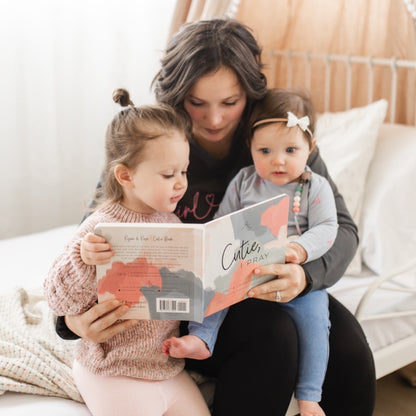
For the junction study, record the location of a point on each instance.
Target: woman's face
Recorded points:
(215, 104)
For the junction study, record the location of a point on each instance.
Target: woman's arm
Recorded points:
(328, 269)
(98, 324)
(101, 322)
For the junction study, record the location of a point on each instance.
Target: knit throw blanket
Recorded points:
(33, 359)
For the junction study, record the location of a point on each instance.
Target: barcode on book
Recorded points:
(179, 305)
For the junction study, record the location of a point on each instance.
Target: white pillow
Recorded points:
(347, 141)
(388, 225)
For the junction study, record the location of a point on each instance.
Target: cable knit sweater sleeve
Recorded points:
(70, 287)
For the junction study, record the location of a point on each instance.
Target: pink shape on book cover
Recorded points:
(237, 290)
(276, 216)
(124, 280)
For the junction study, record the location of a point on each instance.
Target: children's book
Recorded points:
(188, 271)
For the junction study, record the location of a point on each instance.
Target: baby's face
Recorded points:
(279, 152)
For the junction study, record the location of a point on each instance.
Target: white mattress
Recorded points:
(17, 404)
(26, 260)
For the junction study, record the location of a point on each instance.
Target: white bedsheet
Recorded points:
(25, 260)
(17, 404)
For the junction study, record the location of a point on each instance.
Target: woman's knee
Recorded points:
(254, 318)
(346, 327)
(350, 380)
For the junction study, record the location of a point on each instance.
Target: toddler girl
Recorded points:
(147, 154)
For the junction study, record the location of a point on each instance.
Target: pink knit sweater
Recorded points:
(70, 289)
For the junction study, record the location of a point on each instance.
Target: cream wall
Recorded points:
(60, 62)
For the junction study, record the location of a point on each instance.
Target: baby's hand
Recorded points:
(295, 253)
(95, 250)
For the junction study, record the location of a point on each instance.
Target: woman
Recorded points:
(213, 71)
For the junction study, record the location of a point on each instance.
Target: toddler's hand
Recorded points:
(95, 250)
(295, 253)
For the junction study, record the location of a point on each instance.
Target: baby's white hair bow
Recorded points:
(292, 121)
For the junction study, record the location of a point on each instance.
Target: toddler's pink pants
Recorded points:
(127, 396)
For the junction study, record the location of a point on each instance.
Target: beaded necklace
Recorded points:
(303, 124)
(298, 197)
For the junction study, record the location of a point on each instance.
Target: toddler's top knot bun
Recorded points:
(122, 97)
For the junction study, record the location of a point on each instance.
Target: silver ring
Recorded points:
(278, 296)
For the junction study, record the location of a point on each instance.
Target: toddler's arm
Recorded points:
(322, 220)
(95, 250)
(70, 287)
(295, 253)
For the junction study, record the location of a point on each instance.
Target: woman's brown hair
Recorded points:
(203, 47)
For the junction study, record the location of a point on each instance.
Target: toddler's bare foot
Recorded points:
(308, 408)
(188, 346)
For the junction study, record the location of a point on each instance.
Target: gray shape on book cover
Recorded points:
(247, 225)
(178, 284)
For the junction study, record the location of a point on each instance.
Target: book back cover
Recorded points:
(156, 270)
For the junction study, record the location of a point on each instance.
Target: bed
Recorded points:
(366, 132)
(370, 155)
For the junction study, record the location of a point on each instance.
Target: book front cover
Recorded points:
(238, 243)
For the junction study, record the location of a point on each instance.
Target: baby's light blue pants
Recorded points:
(311, 316)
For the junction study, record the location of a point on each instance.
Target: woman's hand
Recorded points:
(290, 282)
(100, 323)
(95, 250)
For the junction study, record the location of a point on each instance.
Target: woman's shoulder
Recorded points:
(317, 164)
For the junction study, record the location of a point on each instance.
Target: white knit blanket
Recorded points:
(33, 359)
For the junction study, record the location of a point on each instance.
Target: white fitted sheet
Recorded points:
(18, 404)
